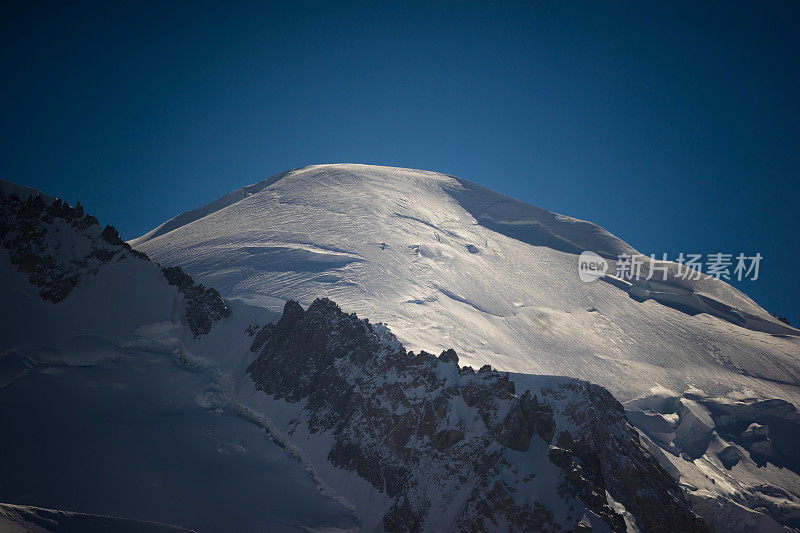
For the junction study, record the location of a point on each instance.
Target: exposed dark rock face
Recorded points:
(606, 448)
(782, 319)
(730, 456)
(262, 335)
(111, 236)
(204, 305)
(58, 246)
(30, 230)
(456, 449)
(526, 418)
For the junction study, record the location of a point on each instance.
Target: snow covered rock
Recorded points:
(204, 305)
(29, 231)
(452, 448)
(57, 247)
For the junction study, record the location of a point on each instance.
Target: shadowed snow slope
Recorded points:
(24, 519)
(449, 264)
(106, 391)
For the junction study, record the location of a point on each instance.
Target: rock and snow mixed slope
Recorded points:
(449, 264)
(105, 362)
(449, 448)
(130, 390)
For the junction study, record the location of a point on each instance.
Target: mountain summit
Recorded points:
(449, 264)
(307, 417)
(159, 399)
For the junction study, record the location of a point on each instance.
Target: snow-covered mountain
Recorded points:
(133, 389)
(130, 390)
(709, 377)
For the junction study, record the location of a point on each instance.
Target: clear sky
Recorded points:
(675, 126)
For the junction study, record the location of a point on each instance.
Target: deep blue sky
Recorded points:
(675, 126)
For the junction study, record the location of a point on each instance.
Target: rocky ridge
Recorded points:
(30, 229)
(60, 246)
(204, 305)
(455, 448)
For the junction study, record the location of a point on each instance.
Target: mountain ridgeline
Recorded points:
(308, 417)
(57, 245)
(452, 447)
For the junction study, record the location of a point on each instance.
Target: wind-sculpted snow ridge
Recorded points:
(455, 449)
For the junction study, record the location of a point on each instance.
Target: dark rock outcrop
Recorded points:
(607, 449)
(204, 305)
(58, 246)
(30, 229)
(440, 440)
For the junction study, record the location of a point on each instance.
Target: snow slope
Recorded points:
(103, 395)
(449, 264)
